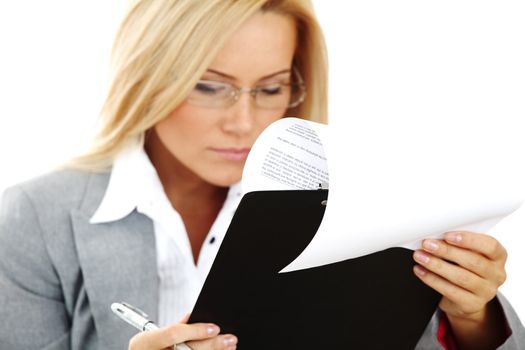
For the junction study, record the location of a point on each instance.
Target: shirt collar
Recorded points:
(132, 171)
(134, 181)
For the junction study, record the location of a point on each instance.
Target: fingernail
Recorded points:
(430, 245)
(420, 271)
(230, 340)
(212, 329)
(454, 237)
(421, 257)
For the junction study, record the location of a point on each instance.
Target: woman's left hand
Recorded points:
(467, 269)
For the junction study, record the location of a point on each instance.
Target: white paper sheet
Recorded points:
(288, 155)
(372, 209)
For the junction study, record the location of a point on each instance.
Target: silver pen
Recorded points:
(139, 319)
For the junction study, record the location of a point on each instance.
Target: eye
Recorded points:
(209, 88)
(273, 89)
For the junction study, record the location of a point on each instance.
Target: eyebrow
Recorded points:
(233, 78)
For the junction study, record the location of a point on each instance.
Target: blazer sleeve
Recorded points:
(515, 341)
(31, 301)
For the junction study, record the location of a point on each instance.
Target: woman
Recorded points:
(140, 217)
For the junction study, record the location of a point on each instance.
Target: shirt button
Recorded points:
(212, 240)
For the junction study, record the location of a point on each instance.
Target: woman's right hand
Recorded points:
(198, 336)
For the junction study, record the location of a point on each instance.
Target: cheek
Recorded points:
(267, 117)
(183, 127)
(181, 136)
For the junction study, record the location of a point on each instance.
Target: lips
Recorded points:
(235, 154)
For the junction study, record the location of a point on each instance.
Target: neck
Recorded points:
(197, 201)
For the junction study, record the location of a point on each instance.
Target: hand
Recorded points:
(198, 336)
(467, 269)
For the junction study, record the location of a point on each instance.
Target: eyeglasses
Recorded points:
(275, 95)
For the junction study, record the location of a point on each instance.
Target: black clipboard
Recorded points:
(371, 302)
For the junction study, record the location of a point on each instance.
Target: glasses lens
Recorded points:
(273, 96)
(211, 94)
(277, 96)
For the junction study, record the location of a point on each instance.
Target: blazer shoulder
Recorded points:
(61, 189)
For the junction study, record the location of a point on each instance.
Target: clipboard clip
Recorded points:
(323, 186)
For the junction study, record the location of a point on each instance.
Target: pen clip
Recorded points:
(134, 309)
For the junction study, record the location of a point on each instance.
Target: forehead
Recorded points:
(264, 44)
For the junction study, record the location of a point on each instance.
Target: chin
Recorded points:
(223, 180)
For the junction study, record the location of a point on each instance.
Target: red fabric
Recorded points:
(444, 334)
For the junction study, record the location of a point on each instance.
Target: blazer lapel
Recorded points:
(118, 263)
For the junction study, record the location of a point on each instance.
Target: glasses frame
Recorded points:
(253, 91)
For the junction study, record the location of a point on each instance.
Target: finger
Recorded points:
(457, 275)
(185, 319)
(174, 334)
(479, 242)
(221, 342)
(150, 340)
(470, 303)
(468, 259)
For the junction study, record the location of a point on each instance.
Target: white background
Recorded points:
(53, 72)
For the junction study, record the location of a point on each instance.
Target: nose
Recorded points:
(241, 115)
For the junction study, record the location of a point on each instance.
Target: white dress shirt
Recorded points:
(134, 184)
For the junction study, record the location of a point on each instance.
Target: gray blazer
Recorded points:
(59, 273)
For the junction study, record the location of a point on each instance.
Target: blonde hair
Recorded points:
(164, 46)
